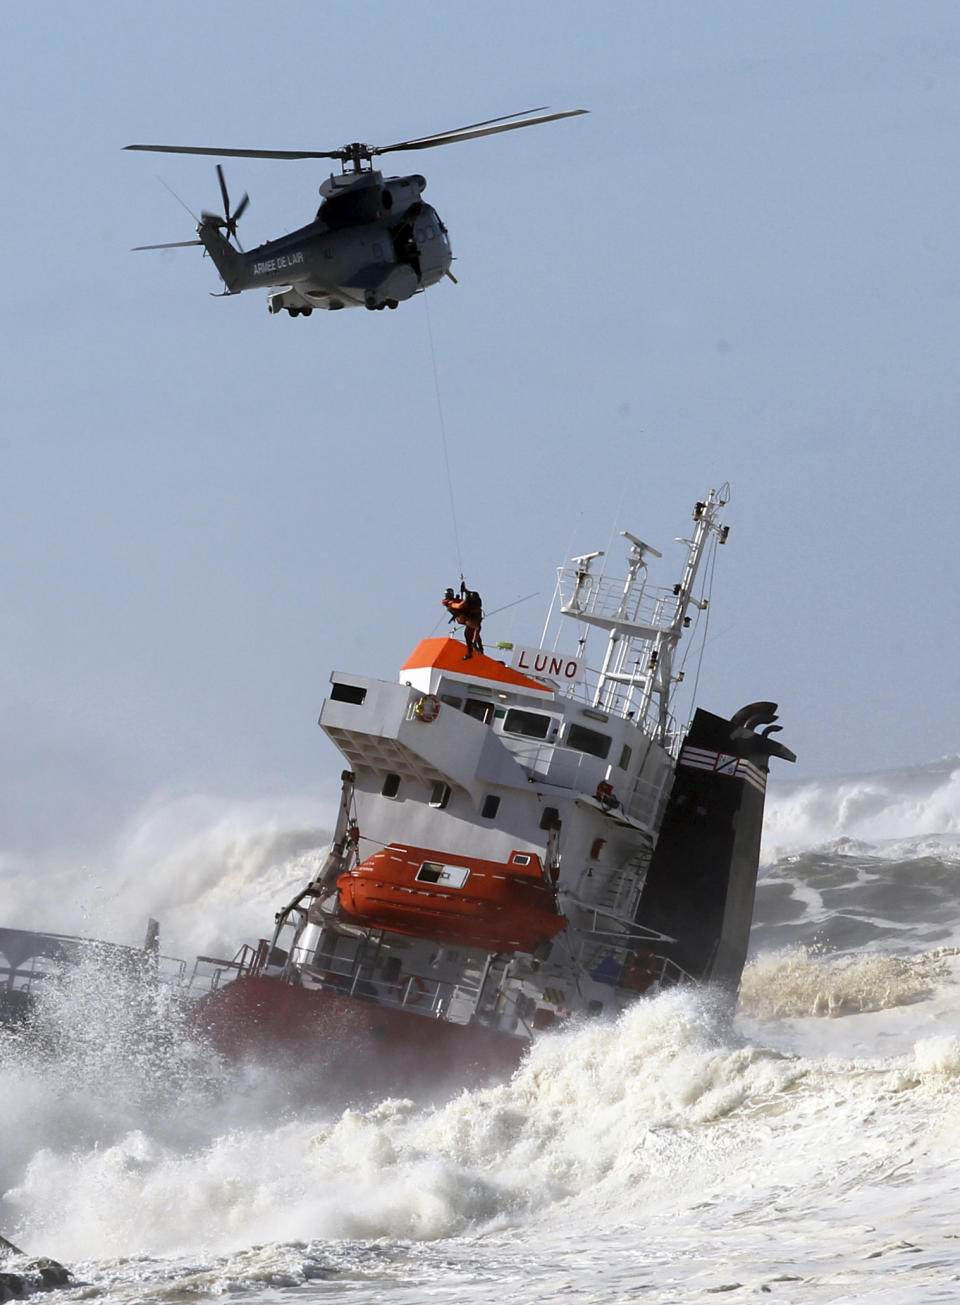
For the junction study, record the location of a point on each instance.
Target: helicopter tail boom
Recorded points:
(228, 262)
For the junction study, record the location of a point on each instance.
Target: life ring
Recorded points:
(427, 708)
(641, 971)
(414, 990)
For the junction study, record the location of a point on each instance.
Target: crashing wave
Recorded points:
(914, 803)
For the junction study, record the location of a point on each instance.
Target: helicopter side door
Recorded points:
(368, 269)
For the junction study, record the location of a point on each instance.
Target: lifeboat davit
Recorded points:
(462, 901)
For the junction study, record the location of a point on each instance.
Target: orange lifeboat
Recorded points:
(462, 901)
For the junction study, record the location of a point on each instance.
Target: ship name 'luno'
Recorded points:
(535, 661)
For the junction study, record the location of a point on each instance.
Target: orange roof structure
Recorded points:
(447, 655)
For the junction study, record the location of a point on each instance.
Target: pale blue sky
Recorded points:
(743, 265)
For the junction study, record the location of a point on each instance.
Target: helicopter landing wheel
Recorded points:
(294, 312)
(393, 303)
(306, 311)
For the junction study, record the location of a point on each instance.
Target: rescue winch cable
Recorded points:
(443, 440)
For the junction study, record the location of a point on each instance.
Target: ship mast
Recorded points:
(644, 624)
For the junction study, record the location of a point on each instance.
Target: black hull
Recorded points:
(702, 879)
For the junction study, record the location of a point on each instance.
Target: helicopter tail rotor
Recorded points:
(228, 222)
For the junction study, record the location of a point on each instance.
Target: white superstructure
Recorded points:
(499, 813)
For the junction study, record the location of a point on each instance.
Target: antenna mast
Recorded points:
(644, 624)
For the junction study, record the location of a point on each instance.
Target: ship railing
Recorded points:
(566, 767)
(620, 702)
(594, 933)
(601, 944)
(660, 968)
(22, 981)
(38, 968)
(673, 735)
(23, 977)
(620, 895)
(648, 800)
(209, 971)
(603, 596)
(425, 994)
(673, 973)
(172, 971)
(533, 754)
(570, 768)
(586, 691)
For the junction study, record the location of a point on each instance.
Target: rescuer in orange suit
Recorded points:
(467, 610)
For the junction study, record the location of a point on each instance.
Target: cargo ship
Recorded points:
(526, 837)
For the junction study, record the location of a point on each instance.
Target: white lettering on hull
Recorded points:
(279, 263)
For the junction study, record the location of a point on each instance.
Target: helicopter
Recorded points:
(373, 243)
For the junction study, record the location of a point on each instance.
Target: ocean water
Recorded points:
(805, 1150)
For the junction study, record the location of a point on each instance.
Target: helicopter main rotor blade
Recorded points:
(174, 244)
(488, 122)
(239, 154)
(241, 207)
(490, 127)
(449, 138)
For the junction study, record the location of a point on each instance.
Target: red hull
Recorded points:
(350, 1043)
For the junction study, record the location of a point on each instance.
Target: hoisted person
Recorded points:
(467, 610)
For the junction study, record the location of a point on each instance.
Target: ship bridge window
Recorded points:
(440, 795)
(625, 756)
(391, 785)
(528, 724)
(451, 700)
(347, 693)
(590, 741)
(482, 711)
